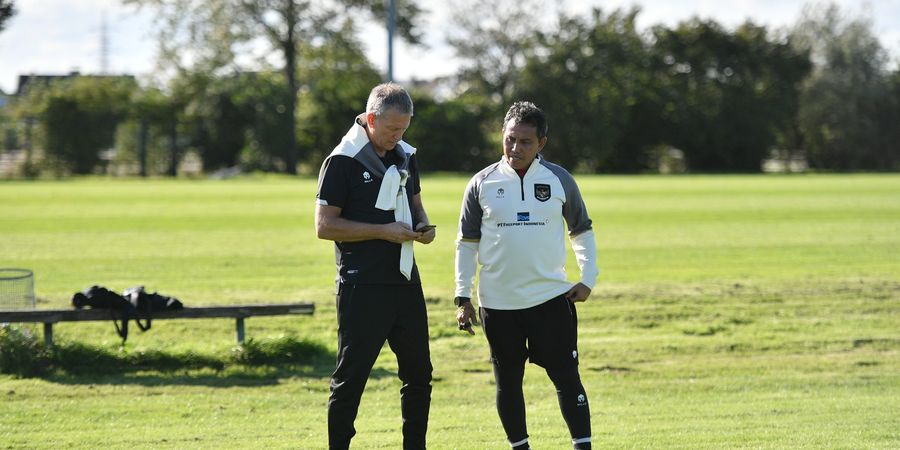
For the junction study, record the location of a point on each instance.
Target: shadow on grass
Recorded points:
(236, 377)
(255, 363)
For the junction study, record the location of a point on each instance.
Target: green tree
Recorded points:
(240, 118)
(80, 117)
(493, 39)
(338, 78)
(8, 139)
(450, 136)
(846, 106)
(216, 122)
(889, 122)
(148, 139)
(196, 112)
(263, 100)
(727, 94)
(217, 32)
(592, 77)
(7, 10)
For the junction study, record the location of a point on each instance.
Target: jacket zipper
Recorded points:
(522, 187)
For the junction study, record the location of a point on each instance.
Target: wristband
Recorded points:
(460, 301)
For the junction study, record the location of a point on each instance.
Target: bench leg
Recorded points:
(239, 327)
(48, 334)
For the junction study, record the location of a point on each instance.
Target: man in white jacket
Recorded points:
(514, 218)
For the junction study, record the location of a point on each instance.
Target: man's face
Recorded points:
(521, 144)
(387, 130)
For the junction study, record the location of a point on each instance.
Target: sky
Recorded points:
(61, 36)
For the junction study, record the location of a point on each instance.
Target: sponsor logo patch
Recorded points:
(542, 192)
(367, 178)
(523, 216)
(500, 193)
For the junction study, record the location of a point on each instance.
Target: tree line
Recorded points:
(619, 100)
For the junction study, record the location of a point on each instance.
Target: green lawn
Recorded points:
(731, 312)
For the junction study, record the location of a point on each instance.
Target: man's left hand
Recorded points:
(466, 317)
(578, 293)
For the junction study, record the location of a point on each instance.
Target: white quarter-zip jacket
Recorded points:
(514, 227)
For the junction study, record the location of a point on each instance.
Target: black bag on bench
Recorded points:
(134, 303)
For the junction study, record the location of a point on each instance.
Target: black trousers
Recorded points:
(369, 315)
(547, 335)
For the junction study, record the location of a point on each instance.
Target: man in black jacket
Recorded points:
(367, 203)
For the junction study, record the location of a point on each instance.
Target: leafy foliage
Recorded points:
(273, 85)
(722, 97)
(600, 67)
(82, 358)
(21, 353)
(216, 32)
(7, 10)
(450, 135)
(493, 39)
(338, 78)
(153, 114)
(264, 101)
(727, 93)
(80, 119)
(849, 114)
(217, 123)
(283, 350)
(407, 16)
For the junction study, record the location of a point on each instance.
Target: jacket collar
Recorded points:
(355, 144)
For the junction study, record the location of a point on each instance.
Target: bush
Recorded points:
(80, 119)
(77, 358)
(21, 353)
(284, 350)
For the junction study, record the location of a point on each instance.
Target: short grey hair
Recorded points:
(387, 96)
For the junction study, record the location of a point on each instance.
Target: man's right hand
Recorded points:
(398, 232)
(466, 317)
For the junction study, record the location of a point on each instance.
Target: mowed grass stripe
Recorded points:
(732, 312)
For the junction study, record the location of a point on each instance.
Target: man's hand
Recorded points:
(578, 293)
(425, 237)
(398, 232)
(466, 317)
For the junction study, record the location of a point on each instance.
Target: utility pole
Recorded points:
(104, 46)
(392, 8)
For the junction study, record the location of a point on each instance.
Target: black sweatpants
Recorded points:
(367, 316)
(547, 335)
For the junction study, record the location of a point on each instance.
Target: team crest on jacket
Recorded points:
(542, 192)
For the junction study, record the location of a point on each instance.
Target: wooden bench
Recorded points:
(240, 312)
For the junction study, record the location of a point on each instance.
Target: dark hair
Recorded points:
(527, 113)
(387, 96)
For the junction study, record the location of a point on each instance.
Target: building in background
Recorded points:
(33, 81)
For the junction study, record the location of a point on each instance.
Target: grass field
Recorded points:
(731, 312)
